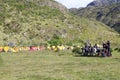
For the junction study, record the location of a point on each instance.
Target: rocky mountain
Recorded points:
(103, 2)
(34, 22)
(109, 14)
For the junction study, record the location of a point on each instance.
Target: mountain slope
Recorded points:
(103, 2)
(33, 22)
(109, 15)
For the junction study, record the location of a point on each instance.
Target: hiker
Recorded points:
(86, 50)
(104, 45)
(90, 50)
(108, 48)
(95, 49)
(103, 53)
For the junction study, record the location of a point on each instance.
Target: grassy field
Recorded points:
(48, 65)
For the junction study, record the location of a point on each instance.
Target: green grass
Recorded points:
(48, 65)
(1, 61)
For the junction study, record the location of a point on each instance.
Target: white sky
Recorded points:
(74, 3)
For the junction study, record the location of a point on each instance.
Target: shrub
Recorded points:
(77, 50)
(69, 43)
(55, 40)
(117, 49)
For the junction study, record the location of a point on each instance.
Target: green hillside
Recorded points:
(33, 22)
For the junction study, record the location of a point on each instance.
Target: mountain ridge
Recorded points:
(108, 14)
(103, 2)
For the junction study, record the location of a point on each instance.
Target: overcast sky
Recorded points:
(74, 3)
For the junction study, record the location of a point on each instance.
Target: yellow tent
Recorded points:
(6, 48)
(24, 48)
(15, 49)
(56, 49)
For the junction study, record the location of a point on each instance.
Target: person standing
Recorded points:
(108, 47)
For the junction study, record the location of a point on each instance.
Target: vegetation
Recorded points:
(48, 65)
(55, 41)
(117, 49)
(109, 14)
(102, 2)
(29, 22)
(1, 61)
(77, 50)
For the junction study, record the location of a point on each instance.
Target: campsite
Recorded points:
(47, 40)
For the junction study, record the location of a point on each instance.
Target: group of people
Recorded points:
(104, 50)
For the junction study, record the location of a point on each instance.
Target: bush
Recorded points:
(117, 49)
(77, 50)
(69, 43)
(56, 40)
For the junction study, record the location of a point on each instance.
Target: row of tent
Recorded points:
(37, 48)
(8, 49)
(17, 49)
(34, 48)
